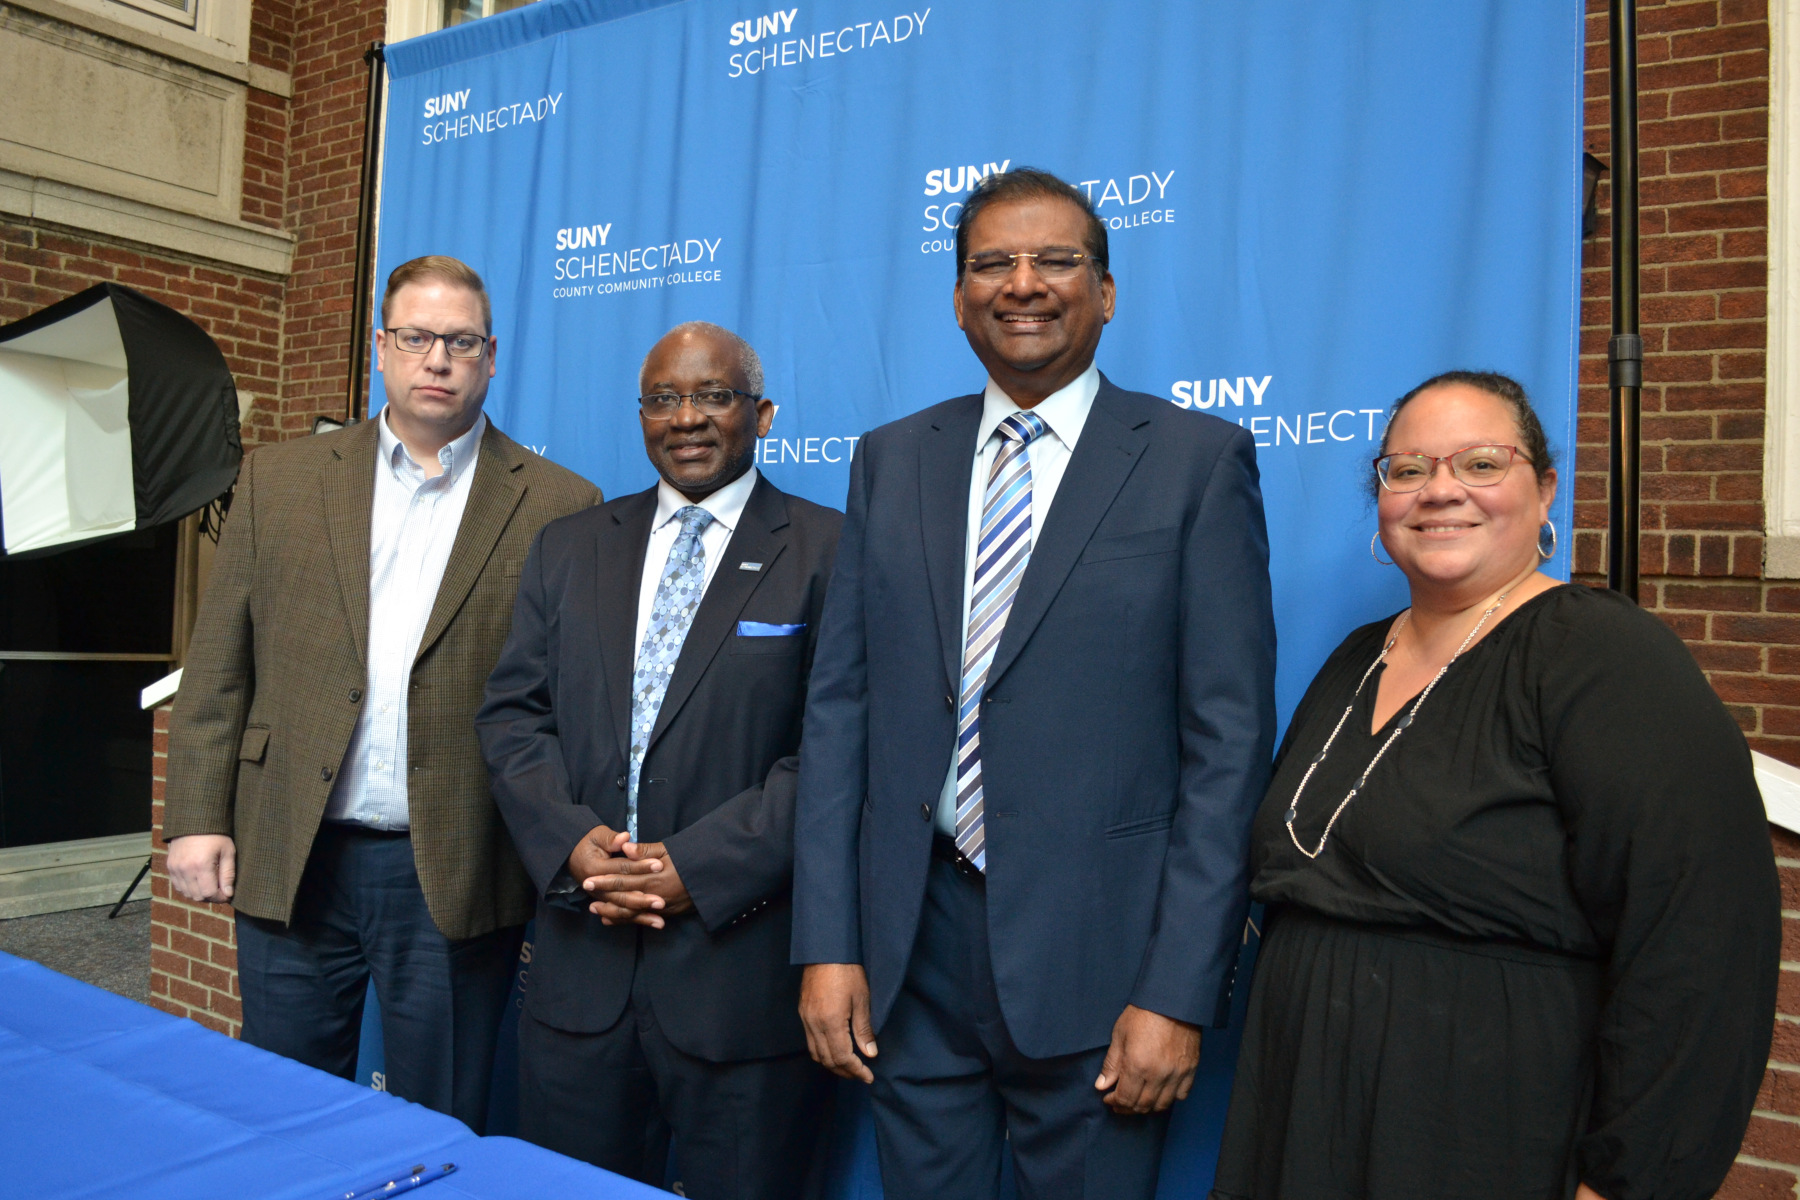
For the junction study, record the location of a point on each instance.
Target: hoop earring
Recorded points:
(1373, 538)
(1551, 552)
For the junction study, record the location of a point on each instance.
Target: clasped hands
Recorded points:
(1149, 1065)
(629, 883)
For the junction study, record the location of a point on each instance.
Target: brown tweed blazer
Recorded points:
(275, 675)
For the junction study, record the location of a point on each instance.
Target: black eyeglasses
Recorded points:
(708, 402)
(420, 341)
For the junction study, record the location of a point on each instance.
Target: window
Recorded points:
(182, 12)
(458, 11)
(1781, 430)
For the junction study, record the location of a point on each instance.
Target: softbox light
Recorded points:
(116, 413)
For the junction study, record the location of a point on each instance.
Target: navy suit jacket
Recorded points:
(717, 785)
(1125, 735)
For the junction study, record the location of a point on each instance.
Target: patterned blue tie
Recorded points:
(671, 615)
(1001, 552)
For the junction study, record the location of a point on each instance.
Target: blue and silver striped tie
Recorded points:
(1001, 553)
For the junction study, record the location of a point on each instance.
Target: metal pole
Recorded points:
(365, 236)
(1625, 352)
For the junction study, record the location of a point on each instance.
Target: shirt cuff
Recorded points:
(564, 891)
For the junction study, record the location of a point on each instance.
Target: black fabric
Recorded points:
(718, 780)
(183, 409)
(954, 1093)
(1541, 946)
(182, 403)
(359, 914)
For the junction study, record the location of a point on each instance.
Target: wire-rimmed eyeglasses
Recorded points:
(708, 402)
(1476, 466)
(1053, 265)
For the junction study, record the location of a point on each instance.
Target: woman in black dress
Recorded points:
(1523, 923)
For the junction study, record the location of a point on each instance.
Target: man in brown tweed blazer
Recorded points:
(324, 772)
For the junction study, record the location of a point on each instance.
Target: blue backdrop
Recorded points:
(1312, 207)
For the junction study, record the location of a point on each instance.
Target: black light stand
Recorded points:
(365, 235)
(1625, 352)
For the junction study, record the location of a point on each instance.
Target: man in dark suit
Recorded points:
(642, 727)
(1041, 717)
(324, 774)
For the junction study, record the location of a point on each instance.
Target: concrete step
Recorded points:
(58, 876)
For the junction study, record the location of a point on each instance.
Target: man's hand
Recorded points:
(834, 1007)
(591, 853)
(1151, 1062)
(203, 866)
(642, 888)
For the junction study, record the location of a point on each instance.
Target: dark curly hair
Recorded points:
(1501, 387)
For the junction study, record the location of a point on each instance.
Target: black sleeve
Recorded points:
(1671, 862)
(522, 741)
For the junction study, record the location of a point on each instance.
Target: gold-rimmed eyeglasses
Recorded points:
(1476, 466)
(1055, 265)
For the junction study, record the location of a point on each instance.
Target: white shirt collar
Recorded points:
(726, 505)
(454, 458)
(1065, 411)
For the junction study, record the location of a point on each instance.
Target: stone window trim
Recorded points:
(153, 154)
(1781, 434)
(219, 42)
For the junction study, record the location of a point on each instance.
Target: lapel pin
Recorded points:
(749, 566)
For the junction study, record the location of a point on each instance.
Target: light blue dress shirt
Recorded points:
(412, 527)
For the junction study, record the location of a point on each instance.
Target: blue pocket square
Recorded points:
(763, 629)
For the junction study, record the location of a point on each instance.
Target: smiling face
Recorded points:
(1033, 337)
(695, 453)
(1460, 541)
(433, 398)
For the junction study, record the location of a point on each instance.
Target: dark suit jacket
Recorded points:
(1125, 736)
(717, 784)
(275, 677)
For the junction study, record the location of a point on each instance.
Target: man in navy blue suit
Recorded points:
(1040, 720)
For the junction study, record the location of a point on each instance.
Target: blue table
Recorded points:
(103, 1097)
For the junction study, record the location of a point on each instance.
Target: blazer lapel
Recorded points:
(494, 494)
(758, 538)
(348, 481)
(946, 459)
(619, 570)
(1109, 449)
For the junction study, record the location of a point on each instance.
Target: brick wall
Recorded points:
(324, 180)
(1704, 121)
(193, 953)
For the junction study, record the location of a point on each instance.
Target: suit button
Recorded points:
(925, 811)
(619, 782)
(355, 695)
(949, 703)
(325, 774)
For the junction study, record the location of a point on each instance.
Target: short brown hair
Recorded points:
(440, 268)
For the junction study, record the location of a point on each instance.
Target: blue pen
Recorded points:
(419, 1176)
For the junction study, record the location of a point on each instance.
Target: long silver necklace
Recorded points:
(1294, 804)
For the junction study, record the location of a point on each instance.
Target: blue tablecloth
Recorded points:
(103, 1097)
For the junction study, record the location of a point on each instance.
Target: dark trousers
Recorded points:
(952, 1092)
(743, 1130)
(359, 914)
